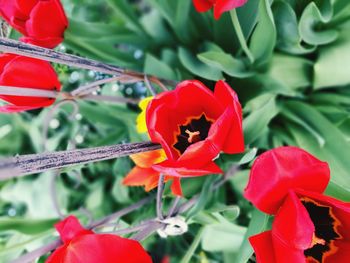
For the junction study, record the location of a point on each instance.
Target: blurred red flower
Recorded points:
(193, 125)
(309, 226)
(42, 22)
(220, 6)
(144, 175)
(19, 71)
(84, 246)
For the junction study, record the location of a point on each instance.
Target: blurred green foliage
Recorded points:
(294, 92)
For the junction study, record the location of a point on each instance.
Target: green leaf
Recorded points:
(226, 237)
(257, 120)
(331, 145)
(332, 65)
(283, 65)
(122, 9)
(195, 66)
(311, 18)
(27, 226)
(288, 36)
(154, 66)
(263, 38)
(337, 191)
(226, 63)
(191, 250)
(258, 223)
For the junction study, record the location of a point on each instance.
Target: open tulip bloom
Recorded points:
(193, 125)
(19, 71)
(220, 6)
(42, 22)
(84, 246)
(308, 226)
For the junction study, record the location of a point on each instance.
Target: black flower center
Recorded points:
(194, 130)
(325, 230)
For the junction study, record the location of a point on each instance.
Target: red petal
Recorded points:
(10, 12)
(342, 254)
(277, 171)
(285, 253)
(170, 109)
(48, 42)
(47, 19)
(26, 6)
(22, 71)
(340, 209)
(222, 6)
(176, 187)
(263, 247)
(292, 224)
(70, 228)
(146, 177)
(147, 159)
(172, 168)
(234, 141)
(104, 248)
(14, 108)
(203, 5)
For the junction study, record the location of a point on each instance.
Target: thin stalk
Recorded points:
(32, 256)
(240, 35)
(19, 48)
(160, 192)
(31, 92)
(122, 212)
(36, 163)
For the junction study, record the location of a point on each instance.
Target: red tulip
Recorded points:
(83, 246)
(277, 171)
(194, 125)
(19, 71)
(42, 22)
(144, 175)
(220, 6)
(309, 227)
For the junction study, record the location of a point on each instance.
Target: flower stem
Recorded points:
(159, 196)
(19, 48)
(240, 35)
(36, 163)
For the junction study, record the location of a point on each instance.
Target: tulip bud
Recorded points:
(41, 22)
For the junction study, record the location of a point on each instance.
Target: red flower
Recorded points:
(144, 175)
(83, 246)
(42, 22)
(220, 6)
(194, 125)
(19, 71)
(308, 226)
(278, 170)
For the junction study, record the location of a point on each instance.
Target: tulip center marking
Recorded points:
(326, 224)
(195, 129)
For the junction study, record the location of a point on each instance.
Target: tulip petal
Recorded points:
(234, 141)
(172, 169)
(176, 187)
(146, 177)
(263, 247)
(277, 171)
(14, 108)
(292, 224)
(147, 159)
(222, 6)
(70, 228)
(202, 5)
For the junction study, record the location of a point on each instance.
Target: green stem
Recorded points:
(240, 35)
(193, 247)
